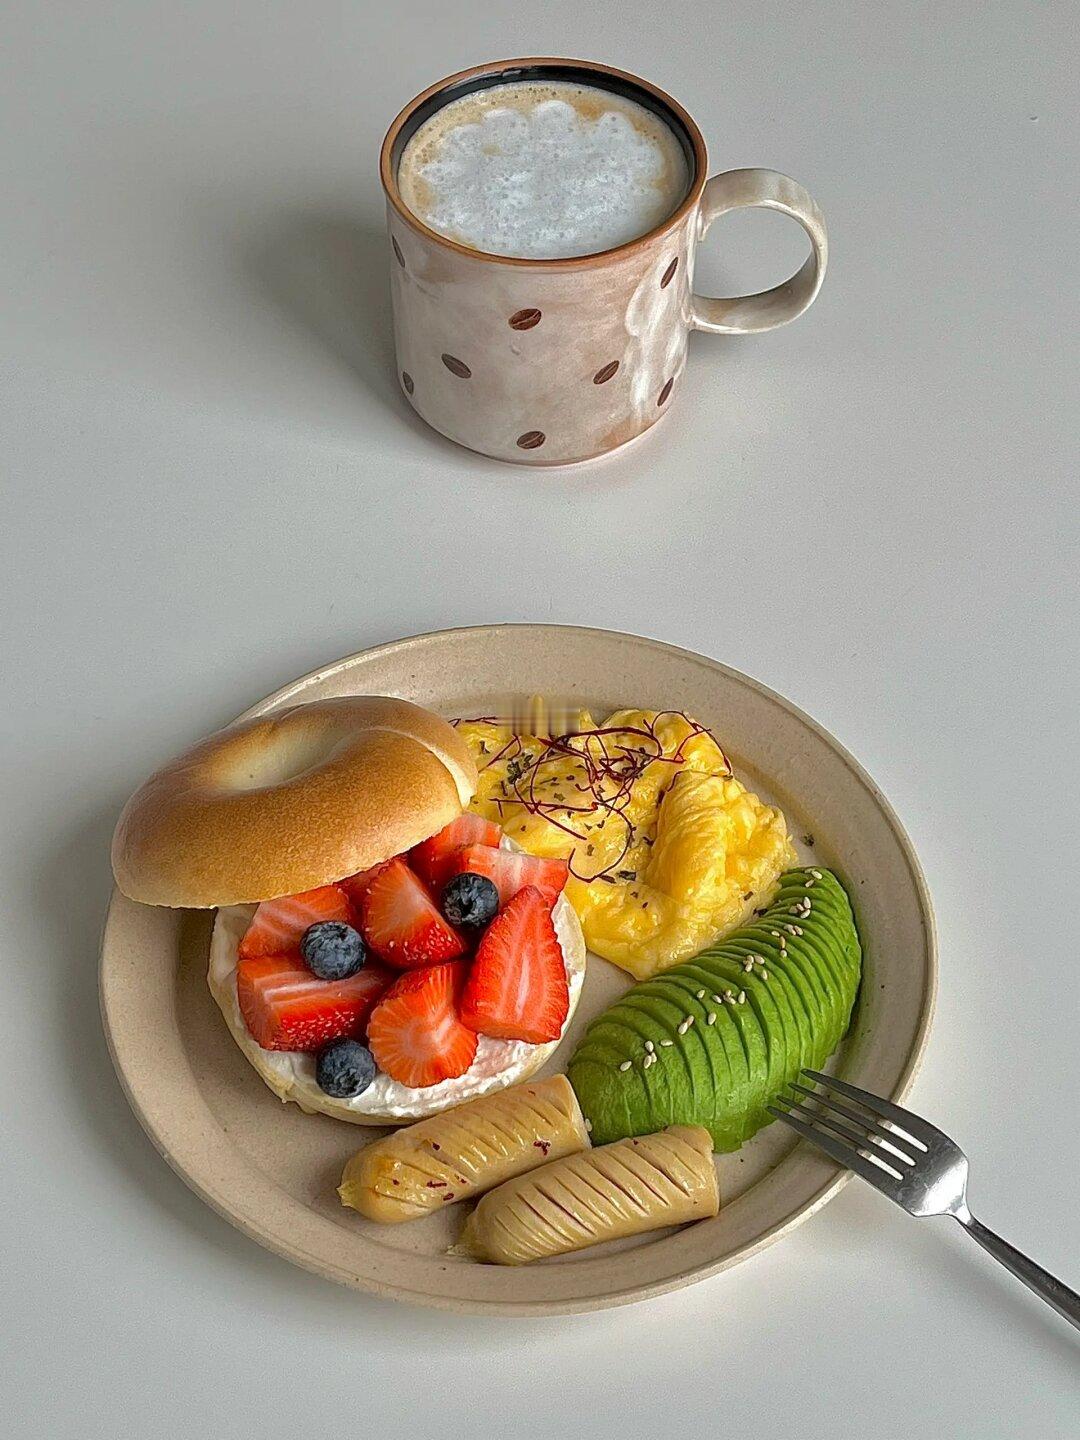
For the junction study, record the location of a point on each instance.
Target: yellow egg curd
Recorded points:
(667, 850)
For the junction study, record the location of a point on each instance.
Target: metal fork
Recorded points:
(912, 1163)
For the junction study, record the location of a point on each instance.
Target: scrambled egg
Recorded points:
(668, 851)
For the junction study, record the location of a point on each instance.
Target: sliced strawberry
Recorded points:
(512, 871)
(278, 925)
(517, 986)
(401, 923)
(414, 1031)
(433, 860)
(356, 886)
(286, 1008)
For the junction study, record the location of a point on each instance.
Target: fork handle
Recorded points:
(1065, 1301)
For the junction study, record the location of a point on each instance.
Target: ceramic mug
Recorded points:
(551, 362)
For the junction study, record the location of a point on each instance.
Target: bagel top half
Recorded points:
(291, 800)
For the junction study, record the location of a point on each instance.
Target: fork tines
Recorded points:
(864, 1145)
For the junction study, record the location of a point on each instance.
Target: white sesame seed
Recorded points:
(748, 965)
(775, 934)
(719, 999)
(764, 973)
(684, 1025)
(700, 994)
(742, 997)
(588, 1124)
(649, 1046)
(729, 994)
(626, 1065)
(817, 874)
(649, 1060)
(710, 1018)
(783, 942)
(667, 1042)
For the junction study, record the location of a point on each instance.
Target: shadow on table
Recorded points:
(327, 274)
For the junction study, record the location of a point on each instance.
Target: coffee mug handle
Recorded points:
(750, 314)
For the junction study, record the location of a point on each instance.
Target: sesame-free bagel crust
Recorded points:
(288, 801)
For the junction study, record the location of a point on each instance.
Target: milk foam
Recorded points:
(543, 170)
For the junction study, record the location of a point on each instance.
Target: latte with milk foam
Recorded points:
(543, 170)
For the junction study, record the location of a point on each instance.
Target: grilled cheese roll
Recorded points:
(605, 1193)
(462, 1152)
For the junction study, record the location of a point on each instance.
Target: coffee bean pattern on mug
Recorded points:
(544, 217)
(525, 319)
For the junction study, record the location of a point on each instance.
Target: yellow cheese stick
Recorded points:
(608, 1192)
(464, 1151)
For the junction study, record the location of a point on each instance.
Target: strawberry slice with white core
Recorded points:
(401, 922)
(433, 860)
(286, 1007)
(517, 987)
(414, 1031)
(278, 926)
(511, 871)
(356, 886)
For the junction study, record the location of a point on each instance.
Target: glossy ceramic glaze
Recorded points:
(550, 362)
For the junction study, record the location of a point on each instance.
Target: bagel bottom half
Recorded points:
(291, 1074)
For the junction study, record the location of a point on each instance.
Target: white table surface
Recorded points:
(212, 484)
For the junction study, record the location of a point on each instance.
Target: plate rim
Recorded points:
(631, 1292)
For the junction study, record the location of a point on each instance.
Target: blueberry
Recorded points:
(470, 900)
(344, 1068)
(333, 951)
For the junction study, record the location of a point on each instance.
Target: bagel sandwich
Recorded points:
(362, 969)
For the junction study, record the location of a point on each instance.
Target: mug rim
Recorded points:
(388, 176)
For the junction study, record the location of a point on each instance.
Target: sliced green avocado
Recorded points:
(738, 1030)
(691, 1049)
(686, 1076)
(644, 1101)
(761, 1014)
(719, 1062)
(784, 1025)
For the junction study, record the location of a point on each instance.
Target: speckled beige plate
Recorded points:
(272, 1170)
